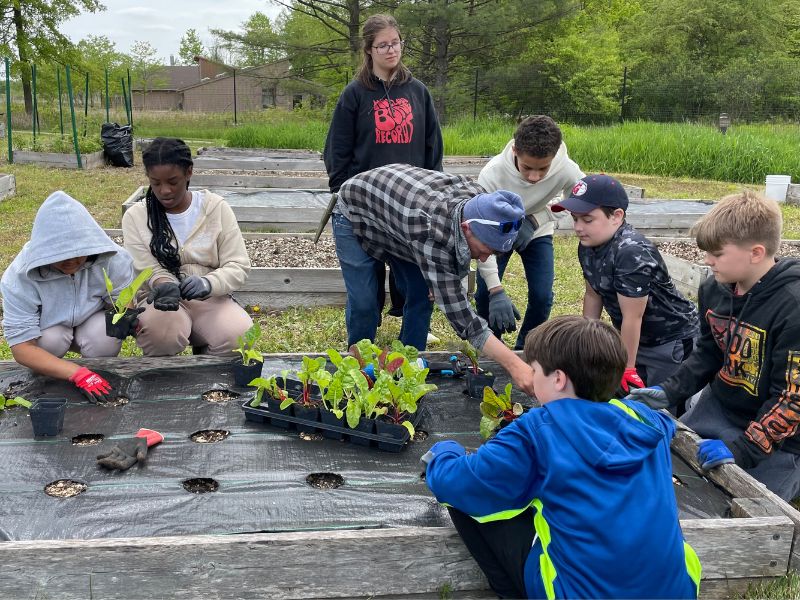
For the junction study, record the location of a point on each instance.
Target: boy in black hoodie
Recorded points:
(749, 351)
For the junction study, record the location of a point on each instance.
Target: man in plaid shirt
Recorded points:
(427, 225)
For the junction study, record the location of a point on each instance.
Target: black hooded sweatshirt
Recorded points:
(394, 123)
(749, 350)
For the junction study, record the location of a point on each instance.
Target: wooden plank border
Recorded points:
(91, 160)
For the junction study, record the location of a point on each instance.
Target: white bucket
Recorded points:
(776, 187)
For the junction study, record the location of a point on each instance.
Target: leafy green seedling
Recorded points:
(126, 294)
(497, 408)
(16, 401)
(247, 343)
(472, 354)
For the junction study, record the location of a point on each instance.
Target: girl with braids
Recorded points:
(193, 244)
(383, 116)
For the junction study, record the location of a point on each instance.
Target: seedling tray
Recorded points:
(262, 414)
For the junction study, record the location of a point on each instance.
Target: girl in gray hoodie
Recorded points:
(54, 294)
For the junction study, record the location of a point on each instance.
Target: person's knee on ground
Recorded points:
(56, 340)
(91, 339)
(163, 333)
(217, 323)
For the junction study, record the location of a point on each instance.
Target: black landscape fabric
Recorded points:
(261, 470)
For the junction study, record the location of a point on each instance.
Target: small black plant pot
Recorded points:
(394, 435)
(274, 406)
(118, 329)
(364, 426)
(244, 374)
(309, 414)
(476, 382)
(328, 418)
(47, 416)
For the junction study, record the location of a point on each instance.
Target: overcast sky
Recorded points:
(163, 22)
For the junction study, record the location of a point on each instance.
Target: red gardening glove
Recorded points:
(631, 379)
(94, 387)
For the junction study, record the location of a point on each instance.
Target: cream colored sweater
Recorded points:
(500, 173)
(214, 248)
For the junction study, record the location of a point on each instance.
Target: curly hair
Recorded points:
(538, 136)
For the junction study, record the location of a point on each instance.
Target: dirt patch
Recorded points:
(65, 488)
(689, 251)
(200, 485)
(219, 396)
(325, 481)
(118, 401)
(209, 436)
(87, 439)
(311, 437)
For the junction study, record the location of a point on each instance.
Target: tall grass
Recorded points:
(746, 154)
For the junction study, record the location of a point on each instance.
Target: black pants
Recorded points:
(500, 548)
(396, 296)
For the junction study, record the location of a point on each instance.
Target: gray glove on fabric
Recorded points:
(654, 397)
(503, 314)
(166, 296)
(195, 287)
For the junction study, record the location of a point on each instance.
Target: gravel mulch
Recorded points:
(689, 251)
(292, 252)
(288, 251)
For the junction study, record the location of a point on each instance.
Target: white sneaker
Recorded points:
(432, 339)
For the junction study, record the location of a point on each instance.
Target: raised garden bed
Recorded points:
(257, 485)
(290, 271)
(90, 160)
(685, 264)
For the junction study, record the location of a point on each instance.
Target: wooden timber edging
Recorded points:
(8, 186)
(91, 160)
(755, 545)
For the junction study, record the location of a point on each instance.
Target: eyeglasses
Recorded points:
(384, 48)
(506, 227)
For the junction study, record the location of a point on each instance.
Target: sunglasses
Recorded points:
(506, 227)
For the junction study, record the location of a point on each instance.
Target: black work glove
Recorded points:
(165, 296)
(195, 287)
(124, 454)
(502, 313)
(128, 324)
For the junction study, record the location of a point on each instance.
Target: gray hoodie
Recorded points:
(36, 296)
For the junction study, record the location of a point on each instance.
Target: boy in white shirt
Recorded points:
(534, 165)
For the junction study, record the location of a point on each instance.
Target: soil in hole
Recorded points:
(65, 488)
(200, 485)
(676, 480)
(118, 401)
(219, 396)
(88, 439)
(420, 435)
(325, 481)
(209, 436)
(311, 437)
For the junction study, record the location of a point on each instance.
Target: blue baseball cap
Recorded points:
(495, 218)
(594, 191)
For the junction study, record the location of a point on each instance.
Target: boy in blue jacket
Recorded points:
(573, 499)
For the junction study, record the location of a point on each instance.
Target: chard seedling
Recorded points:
(247, 346)
(126, 294)
(472, 354)
(16, 401)
(497, 408)
(306, 373)
(269, 385)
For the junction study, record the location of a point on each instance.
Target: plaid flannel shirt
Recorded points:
(415, 215)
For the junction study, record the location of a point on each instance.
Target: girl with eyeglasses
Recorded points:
(384, 116)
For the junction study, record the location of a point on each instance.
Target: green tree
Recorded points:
(191, 46)
(32, 27)
(255, 44)
(145, 68)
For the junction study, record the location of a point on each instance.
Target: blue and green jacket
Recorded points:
(599, 477)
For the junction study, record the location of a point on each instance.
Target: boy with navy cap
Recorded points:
(625, 275)
(428, 226)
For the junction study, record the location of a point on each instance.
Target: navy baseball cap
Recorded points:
(594, 191)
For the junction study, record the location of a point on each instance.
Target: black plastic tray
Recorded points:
(262, 414)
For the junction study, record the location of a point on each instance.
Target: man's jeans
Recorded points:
(362, 312)
(537, 260)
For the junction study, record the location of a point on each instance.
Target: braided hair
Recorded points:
(164, 151)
